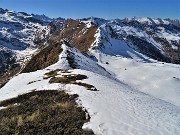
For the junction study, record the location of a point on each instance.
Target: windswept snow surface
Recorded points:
(119, 107)
(161, 80)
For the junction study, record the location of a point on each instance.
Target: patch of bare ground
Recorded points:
(87, 86)
(47, 112)
(69, 79)
(53, 73)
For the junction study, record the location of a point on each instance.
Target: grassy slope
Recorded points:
(43, 112)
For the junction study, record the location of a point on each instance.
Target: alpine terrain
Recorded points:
(89, 76)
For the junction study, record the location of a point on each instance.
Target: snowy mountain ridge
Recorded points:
(118, 107)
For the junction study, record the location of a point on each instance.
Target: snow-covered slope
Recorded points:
(120, 106)
(161, 80)
(81, 61)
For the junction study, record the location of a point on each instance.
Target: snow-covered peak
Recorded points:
(42, 17)
(80, 61)
(94, 20)
(148, 21)
(18, 29)
(143, 20)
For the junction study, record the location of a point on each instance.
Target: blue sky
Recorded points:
(99, 8)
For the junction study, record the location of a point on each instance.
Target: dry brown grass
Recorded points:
(67, 79)
(19, 120)
(52, 73)
(34, 116)
(48, 112)
(75, 35)
(71, 79)
(65, 105)
(88, 86)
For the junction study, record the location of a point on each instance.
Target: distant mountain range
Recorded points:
(22, 35)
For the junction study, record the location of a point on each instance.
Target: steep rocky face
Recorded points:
(147, 48)
(168, 37)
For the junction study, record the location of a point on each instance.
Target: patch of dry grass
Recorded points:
(71, 79)
(33, 81)
(88, 86)
(47, 112)
(54, 73)
(67, 79)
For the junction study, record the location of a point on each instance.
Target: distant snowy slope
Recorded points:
(19, 30)
(43, 18)
(156, 38)
(20, 34)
